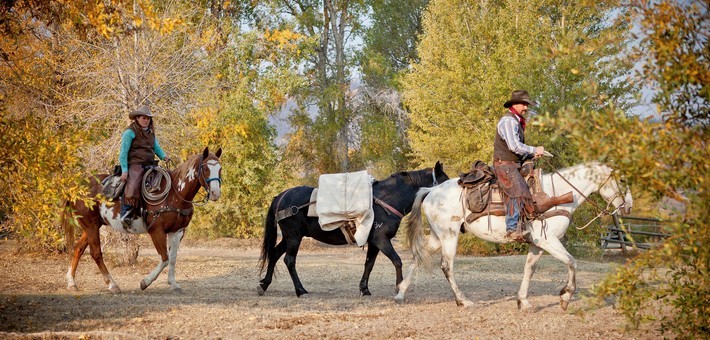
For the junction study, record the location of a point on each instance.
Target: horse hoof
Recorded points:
(73, 288)
(176, 290)
(564, 304)
(365, 293)
(260, 290)
(143, 285)
(115, 290)
(399, 299)
(524, 305)
(465, 303)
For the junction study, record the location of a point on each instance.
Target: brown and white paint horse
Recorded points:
(164, 222)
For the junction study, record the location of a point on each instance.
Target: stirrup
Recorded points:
(516, 235)
(127, 218)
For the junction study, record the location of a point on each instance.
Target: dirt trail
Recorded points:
(219, 299)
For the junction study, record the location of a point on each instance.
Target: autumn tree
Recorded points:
(65, 111)
(474, 53)
(322, 129)
(257, 68)
(41, 131)
(390, 44)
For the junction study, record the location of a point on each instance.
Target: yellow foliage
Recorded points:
(284, 39)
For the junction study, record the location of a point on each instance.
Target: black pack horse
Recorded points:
(393, 198)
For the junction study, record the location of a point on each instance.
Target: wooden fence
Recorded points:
(634, 231)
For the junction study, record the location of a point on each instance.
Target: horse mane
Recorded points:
(598, 170)
(181, 171)
(414, 176)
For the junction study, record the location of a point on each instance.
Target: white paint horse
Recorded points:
(442, 208)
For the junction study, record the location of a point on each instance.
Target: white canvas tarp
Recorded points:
(346, 197)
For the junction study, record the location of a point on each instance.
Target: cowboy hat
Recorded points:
(144, 110)
(517, 97)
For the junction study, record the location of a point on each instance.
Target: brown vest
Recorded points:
(501, 150)
(141, 151)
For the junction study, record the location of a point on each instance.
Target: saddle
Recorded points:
(112, 186)
(481, 195)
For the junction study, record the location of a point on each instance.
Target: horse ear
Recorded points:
(219, 153)
(206, 152)
(438, 167)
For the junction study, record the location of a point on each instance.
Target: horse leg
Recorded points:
(157, 235)
(534, 254)
(391, 254)
(94, 240)
(372, 252)
(292, 246)
(174, 243)
(448, 251)
(433, 244)
(553, 246)
(274, 257)
(78, 252)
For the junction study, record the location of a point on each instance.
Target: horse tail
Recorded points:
(270, 231)
(67, 226)
(415, 231)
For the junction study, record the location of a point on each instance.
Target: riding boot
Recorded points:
(126, 214)
(519, 234)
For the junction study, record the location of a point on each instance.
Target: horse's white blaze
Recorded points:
(181, 185)
(215, 187)
(444, 211)
(113, 219)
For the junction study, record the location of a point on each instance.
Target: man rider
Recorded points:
(509, 153)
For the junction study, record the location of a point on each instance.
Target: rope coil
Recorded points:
(151, 197)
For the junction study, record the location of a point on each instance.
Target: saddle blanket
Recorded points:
(346, 197)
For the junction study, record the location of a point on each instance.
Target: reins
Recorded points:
(602, 211)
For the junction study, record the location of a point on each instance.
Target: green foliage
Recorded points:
(472, 245)
(391, 41)
(473, 54)
(665, 155)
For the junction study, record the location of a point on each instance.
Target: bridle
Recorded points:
(200, 175)
(602, 211)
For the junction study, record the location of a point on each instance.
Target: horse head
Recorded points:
(438, 175)
(616, 192)
(210, 173)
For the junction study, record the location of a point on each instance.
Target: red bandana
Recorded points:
(522, 119)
